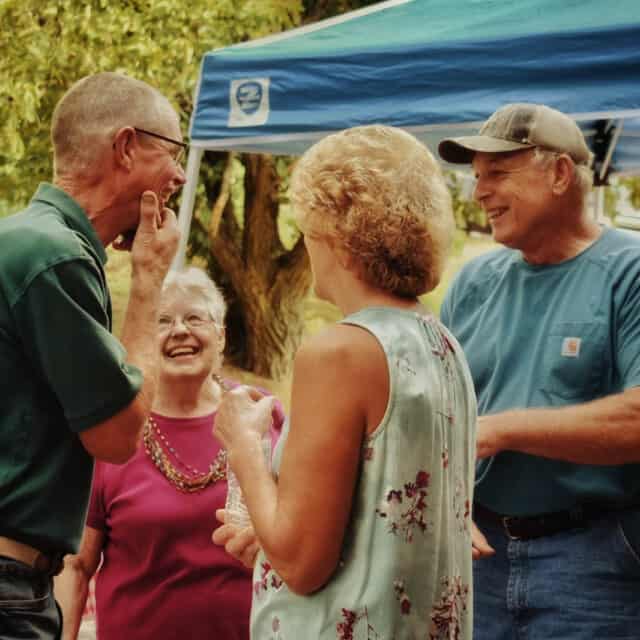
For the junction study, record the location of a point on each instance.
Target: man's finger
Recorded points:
(149, 210)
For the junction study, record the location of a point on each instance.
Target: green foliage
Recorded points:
(46, 45)
(633, 188)
(7, 207)
(468, 214)
(611, 201)
(621, 194)
(319, 9)
(287, 227)
(237, 190)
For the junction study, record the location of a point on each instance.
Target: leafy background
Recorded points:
(46, 45)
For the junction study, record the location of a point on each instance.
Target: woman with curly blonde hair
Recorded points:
(365, 532)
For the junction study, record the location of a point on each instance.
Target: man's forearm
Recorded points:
(604, 431)
(139, 335)
(116, 439)
(153, 249)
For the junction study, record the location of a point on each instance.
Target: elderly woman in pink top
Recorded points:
(150, 520)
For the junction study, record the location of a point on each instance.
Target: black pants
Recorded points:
(28, 610)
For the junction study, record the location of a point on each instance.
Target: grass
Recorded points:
(317, 312)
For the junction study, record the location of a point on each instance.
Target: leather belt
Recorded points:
(50, 564)
(545, 524)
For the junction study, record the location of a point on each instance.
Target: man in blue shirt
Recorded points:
(550, 324)
(70, 391)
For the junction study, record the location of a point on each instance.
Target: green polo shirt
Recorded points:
(61, 370)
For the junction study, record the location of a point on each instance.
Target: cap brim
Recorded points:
(461, 150)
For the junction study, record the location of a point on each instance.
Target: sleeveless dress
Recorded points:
(405, 569)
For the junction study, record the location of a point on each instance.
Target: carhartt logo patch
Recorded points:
(571, 347)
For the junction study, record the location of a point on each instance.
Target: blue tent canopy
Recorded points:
(436, 68)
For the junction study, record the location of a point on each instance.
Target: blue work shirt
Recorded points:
(550, 336)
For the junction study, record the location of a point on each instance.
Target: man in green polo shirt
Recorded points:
(70, 391)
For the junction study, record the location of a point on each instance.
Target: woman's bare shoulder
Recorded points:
(341, 355)
(343, 342)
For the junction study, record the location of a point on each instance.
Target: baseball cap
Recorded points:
(520, 126)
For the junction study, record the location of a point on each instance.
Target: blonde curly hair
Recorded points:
(379, 195)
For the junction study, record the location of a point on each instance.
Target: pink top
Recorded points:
(162, 576)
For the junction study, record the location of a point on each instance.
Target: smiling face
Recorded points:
(515, 191)
(162, 171)
(154, 166)
(189, 341)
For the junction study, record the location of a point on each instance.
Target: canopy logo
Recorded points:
(249, 97)
(248, 102)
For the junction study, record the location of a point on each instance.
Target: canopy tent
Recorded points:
(436, 68)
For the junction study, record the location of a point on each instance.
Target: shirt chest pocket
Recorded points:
(576, 359)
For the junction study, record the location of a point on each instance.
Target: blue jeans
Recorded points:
(582, 584)
(28, 610)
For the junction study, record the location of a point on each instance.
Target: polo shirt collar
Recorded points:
(74, 215)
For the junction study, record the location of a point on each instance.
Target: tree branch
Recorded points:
(293, 275)
(223, 198)
(228, 257)
(260, 239)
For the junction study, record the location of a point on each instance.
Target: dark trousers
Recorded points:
(28, 610)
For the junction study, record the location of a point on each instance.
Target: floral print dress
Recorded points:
(405, 570)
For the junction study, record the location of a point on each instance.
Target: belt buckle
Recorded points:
(506, 524)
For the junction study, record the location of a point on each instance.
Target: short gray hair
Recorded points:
(583, 175)
(97, 106)
(195, 281)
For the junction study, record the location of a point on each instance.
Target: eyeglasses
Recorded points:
(177, 157)
(191, 321)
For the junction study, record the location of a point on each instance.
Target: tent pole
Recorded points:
(612, 145)
(186, 205)
(598, 200)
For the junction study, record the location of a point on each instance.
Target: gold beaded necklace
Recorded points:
(190, 481)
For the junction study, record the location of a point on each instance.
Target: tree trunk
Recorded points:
(266, 283)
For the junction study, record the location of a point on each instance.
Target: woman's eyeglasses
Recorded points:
(191, 321)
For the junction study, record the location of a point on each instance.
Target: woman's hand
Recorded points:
(242, 414)
(242, 544)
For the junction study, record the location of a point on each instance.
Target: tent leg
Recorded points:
(600, 217)
(186, 205)
(595, 205)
